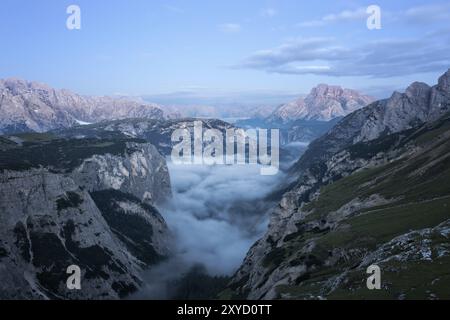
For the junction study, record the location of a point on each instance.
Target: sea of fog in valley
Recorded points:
(216, 214)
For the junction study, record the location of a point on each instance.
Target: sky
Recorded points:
(203, 49)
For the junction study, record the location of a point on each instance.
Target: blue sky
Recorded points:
(203, 48)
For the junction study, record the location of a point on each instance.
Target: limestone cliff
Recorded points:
(79, 202)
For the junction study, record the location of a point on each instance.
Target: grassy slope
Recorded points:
(418, 186)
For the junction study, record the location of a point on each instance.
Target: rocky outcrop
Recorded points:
(47, 224)
(142, 173)
(95, 211)
(323, 103)
(31, 106)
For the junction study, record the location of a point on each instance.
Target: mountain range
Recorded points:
(372, 190)
(33, 106)
(36, 107)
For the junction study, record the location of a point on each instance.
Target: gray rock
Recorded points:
(47, 224)
(32, 106)
(142, 173)
(98, 215)
(323, 103)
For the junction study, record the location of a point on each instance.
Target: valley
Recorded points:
(108, 197)
(208, 156)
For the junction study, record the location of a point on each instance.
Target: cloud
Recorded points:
(383, 58)
(302, 49)
(428, 13)
(343, 16)
(268, 12)
(173, 8)
(230, 27)
(217, 213)
(431, 13)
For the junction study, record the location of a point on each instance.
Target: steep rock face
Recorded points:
(138, 225)
(129, 165)
(47, 224)
(142, 172)
(353, 193)
(32, 106)
(94, 211)
(323, 103)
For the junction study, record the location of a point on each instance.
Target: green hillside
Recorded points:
(406, 234)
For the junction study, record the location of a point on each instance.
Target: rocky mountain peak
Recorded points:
(323, 103)
(419, 93)
(34, 106)
(13, 85)
(417, 89)
(444, 81)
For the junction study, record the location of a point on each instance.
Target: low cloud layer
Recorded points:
(215, 215)
(210, 213)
